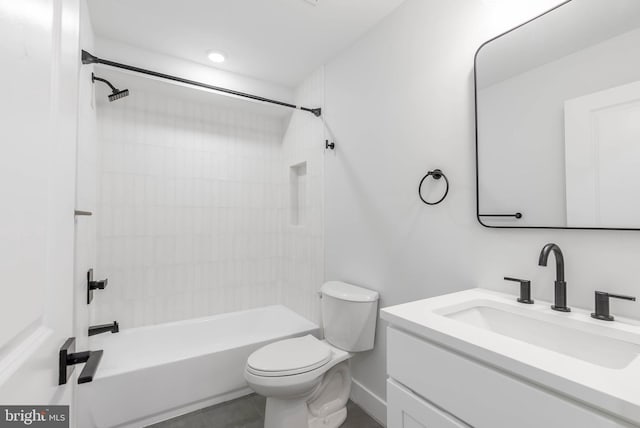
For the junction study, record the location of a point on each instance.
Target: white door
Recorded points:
(38, 109)
(602, 149)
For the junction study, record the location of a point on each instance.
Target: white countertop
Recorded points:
(613, 390)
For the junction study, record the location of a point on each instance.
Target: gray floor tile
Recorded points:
(240, 413)
(258, 403)
(248, 412)
(357, 418)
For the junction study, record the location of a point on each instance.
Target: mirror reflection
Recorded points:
(558, 119)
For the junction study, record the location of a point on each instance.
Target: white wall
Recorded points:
(304, 244)
(400, 102)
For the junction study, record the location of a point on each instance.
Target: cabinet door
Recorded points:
(407, 410)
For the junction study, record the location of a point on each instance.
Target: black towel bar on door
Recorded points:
(437, 175)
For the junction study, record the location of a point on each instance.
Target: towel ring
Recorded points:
(436, 174)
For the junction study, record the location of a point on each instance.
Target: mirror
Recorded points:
(558, 120)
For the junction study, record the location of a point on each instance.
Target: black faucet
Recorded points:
(104, 328)
(560, 284)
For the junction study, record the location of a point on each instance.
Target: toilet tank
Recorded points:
(349, 315)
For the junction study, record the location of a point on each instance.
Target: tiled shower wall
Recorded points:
(304, 243)
(194, 212)
(191, 209)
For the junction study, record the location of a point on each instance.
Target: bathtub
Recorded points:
(149, 374)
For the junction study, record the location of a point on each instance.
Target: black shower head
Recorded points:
(116, 93)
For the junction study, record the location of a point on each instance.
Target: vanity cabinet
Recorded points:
(430, 386)
(405, 409)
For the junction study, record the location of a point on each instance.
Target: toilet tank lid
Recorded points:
(343, 291)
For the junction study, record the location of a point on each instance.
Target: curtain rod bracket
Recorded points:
(88, 58)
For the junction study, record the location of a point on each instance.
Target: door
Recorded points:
(602, 150)
(38, 108)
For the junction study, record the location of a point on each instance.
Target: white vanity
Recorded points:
(480, 359)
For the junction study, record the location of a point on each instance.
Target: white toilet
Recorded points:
(307, 381)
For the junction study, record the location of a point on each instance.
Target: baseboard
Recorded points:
(375, 406)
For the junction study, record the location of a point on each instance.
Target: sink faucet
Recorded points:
(560, 284)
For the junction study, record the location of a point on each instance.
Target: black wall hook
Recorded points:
(437, 174)
(329, 145)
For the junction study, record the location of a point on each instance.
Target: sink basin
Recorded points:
(587, 346)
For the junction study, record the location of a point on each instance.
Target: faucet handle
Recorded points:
(620, 296)
(602, 305)
(525, 289)
(94, 285)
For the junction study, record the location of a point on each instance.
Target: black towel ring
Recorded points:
(436, 174)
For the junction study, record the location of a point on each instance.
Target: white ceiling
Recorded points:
(566, 30)
(280, 41)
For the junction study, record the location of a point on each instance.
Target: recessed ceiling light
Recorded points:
(216, 56)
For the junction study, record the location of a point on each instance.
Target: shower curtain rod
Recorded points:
(87, 58)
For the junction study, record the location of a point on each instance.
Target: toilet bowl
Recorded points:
(307, 381)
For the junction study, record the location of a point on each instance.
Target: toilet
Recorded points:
(307, 381)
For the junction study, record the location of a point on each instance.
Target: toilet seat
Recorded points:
(289, 357)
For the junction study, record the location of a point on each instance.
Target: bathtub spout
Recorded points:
(104, 328)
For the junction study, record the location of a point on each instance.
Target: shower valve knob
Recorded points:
(94, 285)
(98, 285)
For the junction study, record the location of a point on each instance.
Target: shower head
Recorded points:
(119, 94)
(116, 93)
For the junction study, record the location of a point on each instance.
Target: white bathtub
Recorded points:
(149, 374)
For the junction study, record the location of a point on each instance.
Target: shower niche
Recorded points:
(298, 194)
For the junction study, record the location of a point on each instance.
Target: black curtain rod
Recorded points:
(87, 58)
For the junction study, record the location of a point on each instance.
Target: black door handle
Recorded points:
(69, 358)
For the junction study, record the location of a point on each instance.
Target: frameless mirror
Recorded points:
(558, 120)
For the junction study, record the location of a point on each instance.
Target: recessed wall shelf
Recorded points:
(298, 193)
